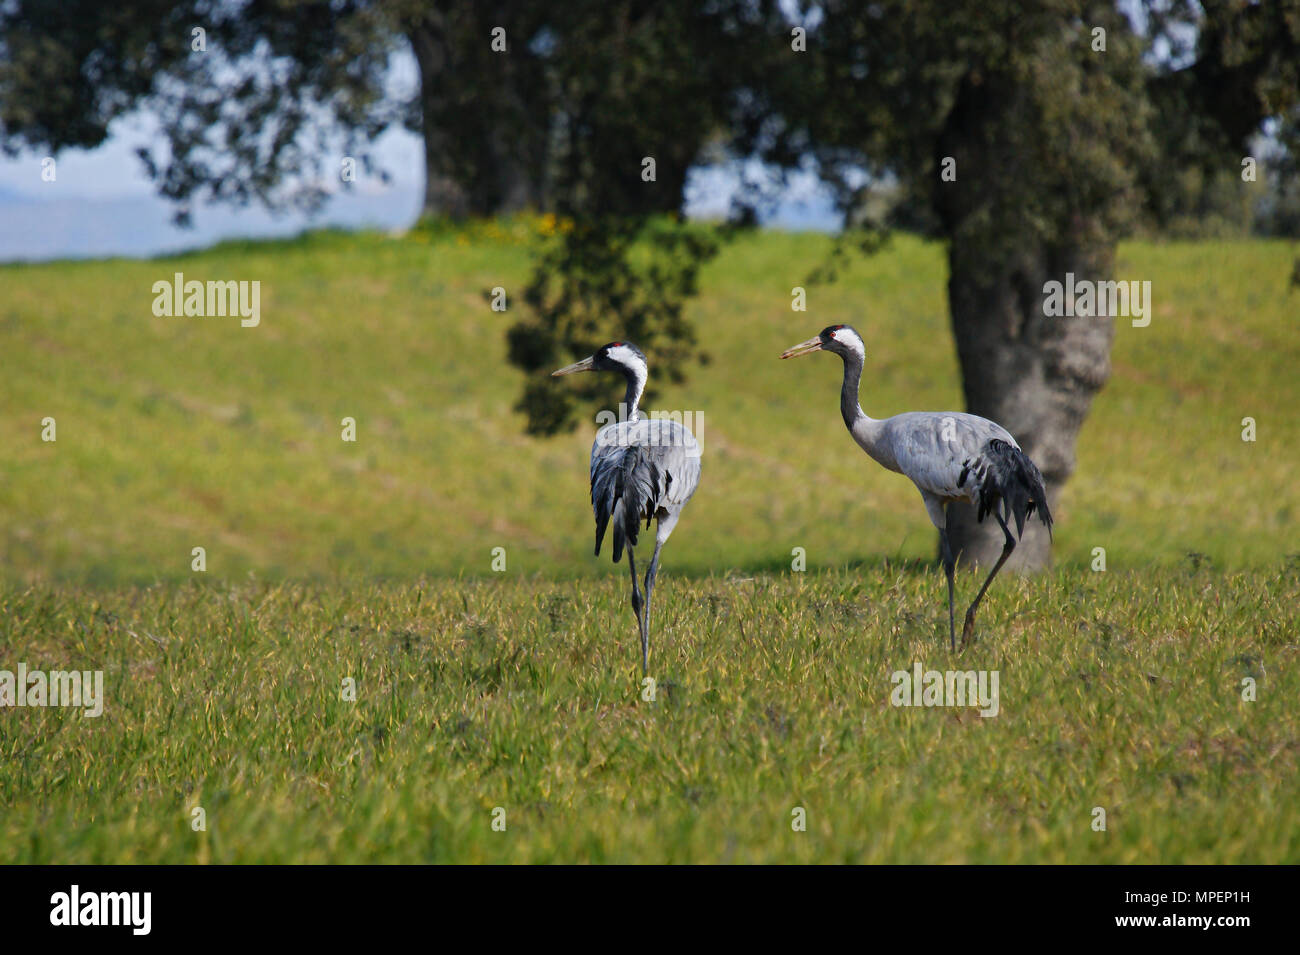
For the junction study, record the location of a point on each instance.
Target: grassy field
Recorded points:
(521, 690)
(1119, 690)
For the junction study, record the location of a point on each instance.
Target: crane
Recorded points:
(640, 469)
(950, 456)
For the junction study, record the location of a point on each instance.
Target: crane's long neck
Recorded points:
(867, 431)
(849, 407)
(636, 378)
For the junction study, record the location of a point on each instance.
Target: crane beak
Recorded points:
(803, 348)
(577, 366)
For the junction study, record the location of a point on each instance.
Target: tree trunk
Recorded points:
(444, 195)
(1033, 374)
(483, 115)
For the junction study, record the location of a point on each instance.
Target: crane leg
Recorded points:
(948, 562)
(636, 609)
(968, 629)
(650, 576)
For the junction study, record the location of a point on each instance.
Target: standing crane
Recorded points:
(950, 456)
(640, 469)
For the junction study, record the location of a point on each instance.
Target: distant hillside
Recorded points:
(182, 432)
(40, 229)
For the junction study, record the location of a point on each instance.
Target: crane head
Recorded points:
(841, 339)
(616, 356)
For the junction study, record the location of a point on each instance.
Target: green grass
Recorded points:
(522, 689)
(180, 432)
(1117, 690)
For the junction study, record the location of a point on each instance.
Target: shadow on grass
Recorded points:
(104, 577)
(781, 565)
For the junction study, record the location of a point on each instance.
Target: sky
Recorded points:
(102, 204)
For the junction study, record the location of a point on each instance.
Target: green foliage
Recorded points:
(596, 283)
(51, 96)
(639, 91)
(1228, 72)
(1045, 133)
(275, 91)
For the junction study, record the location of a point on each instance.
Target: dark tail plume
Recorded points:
(1014, 481)
(624, 491)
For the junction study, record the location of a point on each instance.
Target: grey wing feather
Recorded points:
(639, 470)
(935, 449)
(956, 456)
